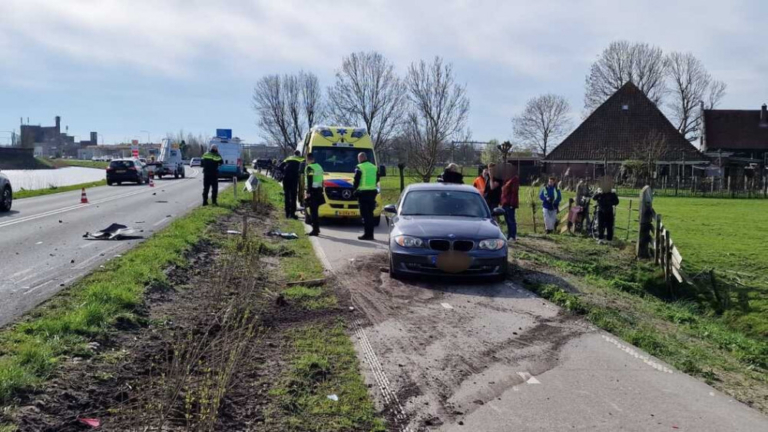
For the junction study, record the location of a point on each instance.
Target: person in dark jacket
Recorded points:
(314, 197)
(210, 162)
(606, 201)
(510, 201)
(290, 168)
(451, 175)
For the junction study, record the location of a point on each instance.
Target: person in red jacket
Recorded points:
(510, 201)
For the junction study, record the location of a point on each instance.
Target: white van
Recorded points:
(231, 151)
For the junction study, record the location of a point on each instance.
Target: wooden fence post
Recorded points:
(657, 240)
(234, 186)
(629, 220)
(646, 222)
(667, 258)
(533, 213)
(401, 167)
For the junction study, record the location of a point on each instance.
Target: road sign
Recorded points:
(224, 133)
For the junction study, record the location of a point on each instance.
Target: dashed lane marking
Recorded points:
(638, 355)
(528, 378)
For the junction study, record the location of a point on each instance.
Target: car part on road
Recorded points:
(112, 232)
(278, 233)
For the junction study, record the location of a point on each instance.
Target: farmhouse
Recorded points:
(736, 140)
(626, 127)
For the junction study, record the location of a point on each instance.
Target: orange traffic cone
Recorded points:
(151, 182)
(83, 198)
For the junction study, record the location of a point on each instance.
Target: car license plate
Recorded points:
(346, 213)
(120, 171)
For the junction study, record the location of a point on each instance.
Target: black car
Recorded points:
(445, 229)
(127, 170)
(6, 193)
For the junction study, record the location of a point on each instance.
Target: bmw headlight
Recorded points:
(409, 242)
(492, 244)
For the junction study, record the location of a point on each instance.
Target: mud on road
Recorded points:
(435, 350)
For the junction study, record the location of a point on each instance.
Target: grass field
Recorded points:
(61, 163)
(56, 189)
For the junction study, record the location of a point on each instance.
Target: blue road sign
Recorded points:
(224, 133)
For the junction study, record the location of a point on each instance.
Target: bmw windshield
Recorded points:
(339, 159)
(444, 203)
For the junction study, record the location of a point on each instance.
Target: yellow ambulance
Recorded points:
(336, 148)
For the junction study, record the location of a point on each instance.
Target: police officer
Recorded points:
(291, 167)
(210, 163)
(314, 192)
(366, 178)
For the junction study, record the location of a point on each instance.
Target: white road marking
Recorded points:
(17, 274)
(529, 379)
(636, 354)
(38, 286)
(88, 244)
(161, 221)
(86, 262)
(39, 243)
(446, 305)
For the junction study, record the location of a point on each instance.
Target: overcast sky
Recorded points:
(122, 66)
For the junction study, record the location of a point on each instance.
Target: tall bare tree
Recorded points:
(545, 119)
(691, 85)
(438, 110)
(286, 107)
(622, 61)
(368, 92)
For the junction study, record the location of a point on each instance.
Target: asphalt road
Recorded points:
(495, 357)
(42, 249)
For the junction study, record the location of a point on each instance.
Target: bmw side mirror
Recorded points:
(390, 208)
(498, 211)
(382, 171)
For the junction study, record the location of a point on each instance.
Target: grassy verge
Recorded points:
(61, 163)
(31, 349)
(23, 193)
(323, 360)
(625, 297)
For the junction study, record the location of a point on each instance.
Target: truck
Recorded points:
(231, 151)
(169, 162)
(336, 148)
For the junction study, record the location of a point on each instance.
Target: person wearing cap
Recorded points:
(210, 162)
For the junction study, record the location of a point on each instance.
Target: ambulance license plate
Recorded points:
(346, 213)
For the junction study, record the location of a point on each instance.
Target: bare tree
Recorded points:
(623, 61)
(692, 86)
(368, 92)
(438, 111)
(545, 119)
(286, 107)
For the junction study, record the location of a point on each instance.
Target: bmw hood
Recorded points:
(429, 227)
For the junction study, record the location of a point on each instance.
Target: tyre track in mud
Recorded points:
(442, 363)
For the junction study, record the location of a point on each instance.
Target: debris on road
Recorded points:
(278, 233)
(307, 283)
(112, 232)
(92, 422)
(333, 397)
(234, 232)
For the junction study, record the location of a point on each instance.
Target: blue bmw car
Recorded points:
(445, 229)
